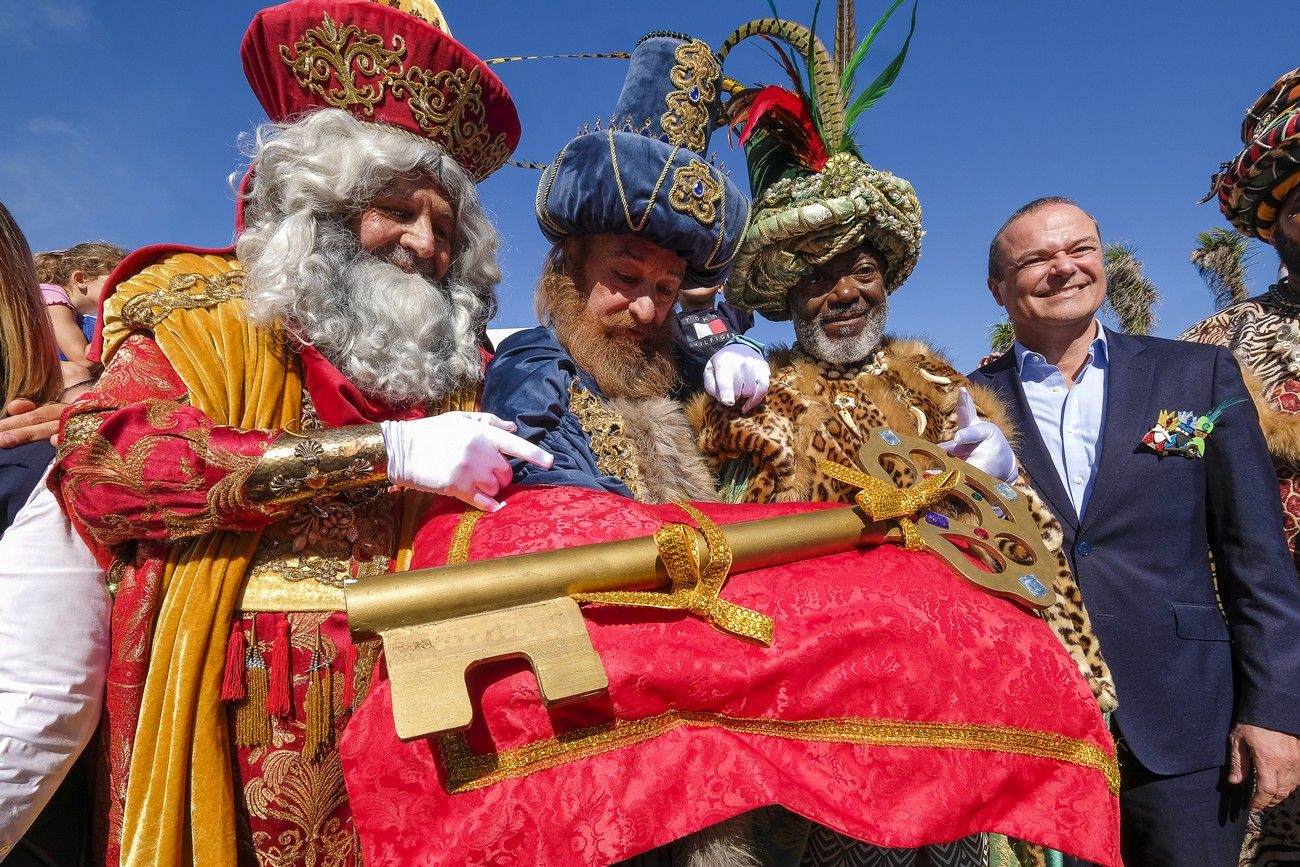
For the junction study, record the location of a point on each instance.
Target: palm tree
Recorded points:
(1130, 296)
(1220, 257)
(1001, 336)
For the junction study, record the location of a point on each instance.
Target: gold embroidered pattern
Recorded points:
(183, 292)
(334, 62)
(693, 589)
(451, 100)
(326, 56)
(695, 193)
(78, 431)
(695, 76)
(467, 770)
(464, 533)
(615, 454)
(102, 464)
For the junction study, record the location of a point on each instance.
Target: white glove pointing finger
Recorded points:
(458, 454)
(980, 443)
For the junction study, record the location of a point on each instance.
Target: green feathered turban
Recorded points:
(802, 222)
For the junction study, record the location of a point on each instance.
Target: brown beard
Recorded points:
(621, 367)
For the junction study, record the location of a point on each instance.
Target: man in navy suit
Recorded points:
(1208, 682)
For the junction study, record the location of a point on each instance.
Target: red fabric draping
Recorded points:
(861, 715)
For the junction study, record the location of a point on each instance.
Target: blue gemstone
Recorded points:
(1006, 491)
(1033, 585)
(976, 495)
(937, 520)
(698, 189)
(694, 94)
(890, 437)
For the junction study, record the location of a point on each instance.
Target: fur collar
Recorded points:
(671, 466)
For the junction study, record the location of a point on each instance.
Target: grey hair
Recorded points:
(995, 266)
(312, 176)
(331, 165)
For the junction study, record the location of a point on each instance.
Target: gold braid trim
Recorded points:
(463, 535)
(181, 281)
(467, 770)
(693, 589)
(615, 453)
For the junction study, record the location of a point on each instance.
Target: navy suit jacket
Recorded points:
(1141, 554)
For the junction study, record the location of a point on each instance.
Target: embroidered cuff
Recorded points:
(298, 466)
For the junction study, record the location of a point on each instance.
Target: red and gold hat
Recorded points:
(1253, 186)
(386, 61)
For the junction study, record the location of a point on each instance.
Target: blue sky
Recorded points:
(122, 122)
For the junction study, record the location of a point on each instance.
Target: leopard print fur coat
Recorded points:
(1264, 334)
(818, 411)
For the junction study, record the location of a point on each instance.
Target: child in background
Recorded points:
(702, 327)
(71, 281)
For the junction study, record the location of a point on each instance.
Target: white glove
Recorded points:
(737, 371)
(980, 443)
(459, 454)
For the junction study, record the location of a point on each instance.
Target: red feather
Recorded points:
(787, 107)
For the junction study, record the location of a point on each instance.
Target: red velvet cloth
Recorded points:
(876, 635)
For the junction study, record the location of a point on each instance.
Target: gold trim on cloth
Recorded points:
(616, 455)
(463, 535)
(182, 281)
(467, 770)
(334, 61)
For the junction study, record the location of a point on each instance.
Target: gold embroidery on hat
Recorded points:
(452, 99)
(695, 76)
(329, 53)
(333, 62)
(695, 193)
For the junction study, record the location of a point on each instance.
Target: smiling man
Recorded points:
(635, 214)
(268, 415)
(1205, 660)
(831, 240)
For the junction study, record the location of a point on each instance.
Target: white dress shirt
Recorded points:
(1069, 418)
(54, 646)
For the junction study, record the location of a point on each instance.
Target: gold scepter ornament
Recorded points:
(437, 623)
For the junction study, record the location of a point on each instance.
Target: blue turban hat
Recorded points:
(647, 173)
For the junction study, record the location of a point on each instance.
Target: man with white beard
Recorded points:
(272, 420)
(831, 238)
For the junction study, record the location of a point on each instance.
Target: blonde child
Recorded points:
(71, 281)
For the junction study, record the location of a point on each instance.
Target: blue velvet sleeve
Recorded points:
(528, 383)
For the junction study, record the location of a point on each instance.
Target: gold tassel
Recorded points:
(252, 722)
(320, 716)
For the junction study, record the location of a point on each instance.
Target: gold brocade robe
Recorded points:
(165, 470)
